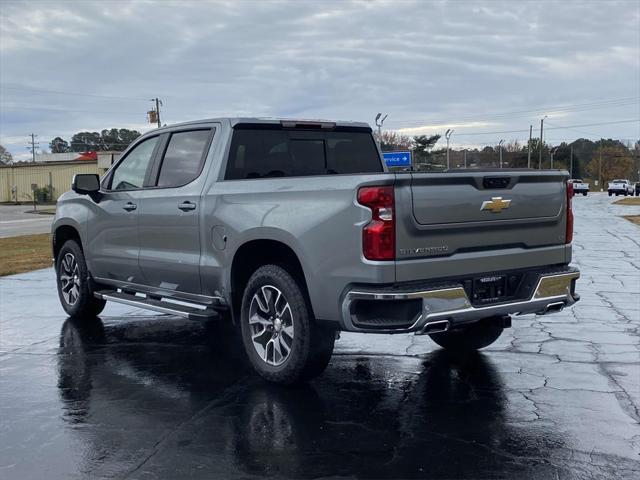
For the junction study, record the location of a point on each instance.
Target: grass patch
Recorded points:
(628, 201)
(633, 219)
(25, 253)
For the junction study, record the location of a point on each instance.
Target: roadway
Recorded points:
(14, 220)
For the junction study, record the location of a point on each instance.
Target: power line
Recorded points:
(63, 110)
(59, 92)
(603, 104)
(553, 128)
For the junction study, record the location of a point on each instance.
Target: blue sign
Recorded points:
(397, 159)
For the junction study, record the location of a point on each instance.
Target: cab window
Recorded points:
(130, 173)
(184, 157)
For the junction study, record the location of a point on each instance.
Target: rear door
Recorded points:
(113, 227)
(169, 214)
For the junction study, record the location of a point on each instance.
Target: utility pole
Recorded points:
(500, 148)
(155, 118)
(571, 162)
(447, 135)
(541, 142)
(553, 150)
(600, 167)
(33, 147)
(529, 147)
(379, 123)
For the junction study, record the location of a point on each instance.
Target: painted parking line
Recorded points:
(23, 221)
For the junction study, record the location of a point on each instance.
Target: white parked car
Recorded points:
(579, 186)
(620, 186)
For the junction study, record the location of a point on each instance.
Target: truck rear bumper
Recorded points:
(438, 308)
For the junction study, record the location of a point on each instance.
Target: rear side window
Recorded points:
(183, 158)
(259, 153)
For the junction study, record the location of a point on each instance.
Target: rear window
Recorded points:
(183, 158)
(257, 153)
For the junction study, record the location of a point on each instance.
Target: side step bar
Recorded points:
(184, 311)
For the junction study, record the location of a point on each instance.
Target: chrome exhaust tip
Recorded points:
(435, 327)
(554, 307)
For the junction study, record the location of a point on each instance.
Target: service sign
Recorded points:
(397, 159)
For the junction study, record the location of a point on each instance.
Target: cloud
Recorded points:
(429, 65)
(433, 129)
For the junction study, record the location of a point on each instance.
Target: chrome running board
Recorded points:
(192, 313)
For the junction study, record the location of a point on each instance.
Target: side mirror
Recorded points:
(86, 183)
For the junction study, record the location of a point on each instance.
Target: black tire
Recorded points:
(584, 194)
(310, 345)
(609, 193)
(80, 303)
(473, 337)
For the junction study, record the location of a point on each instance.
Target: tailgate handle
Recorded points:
(496, 182)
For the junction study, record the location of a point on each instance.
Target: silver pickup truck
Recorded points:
(294, 230)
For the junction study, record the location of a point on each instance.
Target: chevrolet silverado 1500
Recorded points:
(579, 186)
(295, 230)
(620, 186)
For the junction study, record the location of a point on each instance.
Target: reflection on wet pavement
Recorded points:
(143, 396)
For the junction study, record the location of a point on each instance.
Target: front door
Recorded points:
(169, 213)
(112, 234)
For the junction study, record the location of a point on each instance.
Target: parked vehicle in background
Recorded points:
(620, 186)
(637, 189)
(579, 187)
(294, 230)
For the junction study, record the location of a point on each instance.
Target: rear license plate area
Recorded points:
(489, 289)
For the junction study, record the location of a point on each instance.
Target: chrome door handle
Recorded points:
(186, 206)
(129, 207)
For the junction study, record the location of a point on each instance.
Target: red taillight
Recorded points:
(569, 234)
(379, 235)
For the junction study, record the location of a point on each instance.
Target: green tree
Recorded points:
(58, 145)
(86, 142)
(116, 139)
(422, 145)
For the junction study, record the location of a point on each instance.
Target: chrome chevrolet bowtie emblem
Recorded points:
(496, 204)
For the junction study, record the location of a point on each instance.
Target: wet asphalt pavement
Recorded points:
(139, 395)
(17, 220)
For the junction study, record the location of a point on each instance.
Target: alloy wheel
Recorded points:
(69, 279)
(271, 325)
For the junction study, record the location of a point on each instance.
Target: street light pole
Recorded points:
(541, 142)
(529, 147)
(447, 135)
(500, 148)
(379, 123)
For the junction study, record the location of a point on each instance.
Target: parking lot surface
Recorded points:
(14, 220)
(137, 395)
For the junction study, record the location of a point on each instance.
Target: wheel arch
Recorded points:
(252, 254)
(61, 234)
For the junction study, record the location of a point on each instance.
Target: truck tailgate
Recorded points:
(488, 221)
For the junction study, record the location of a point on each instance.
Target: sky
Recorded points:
(486, 69)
